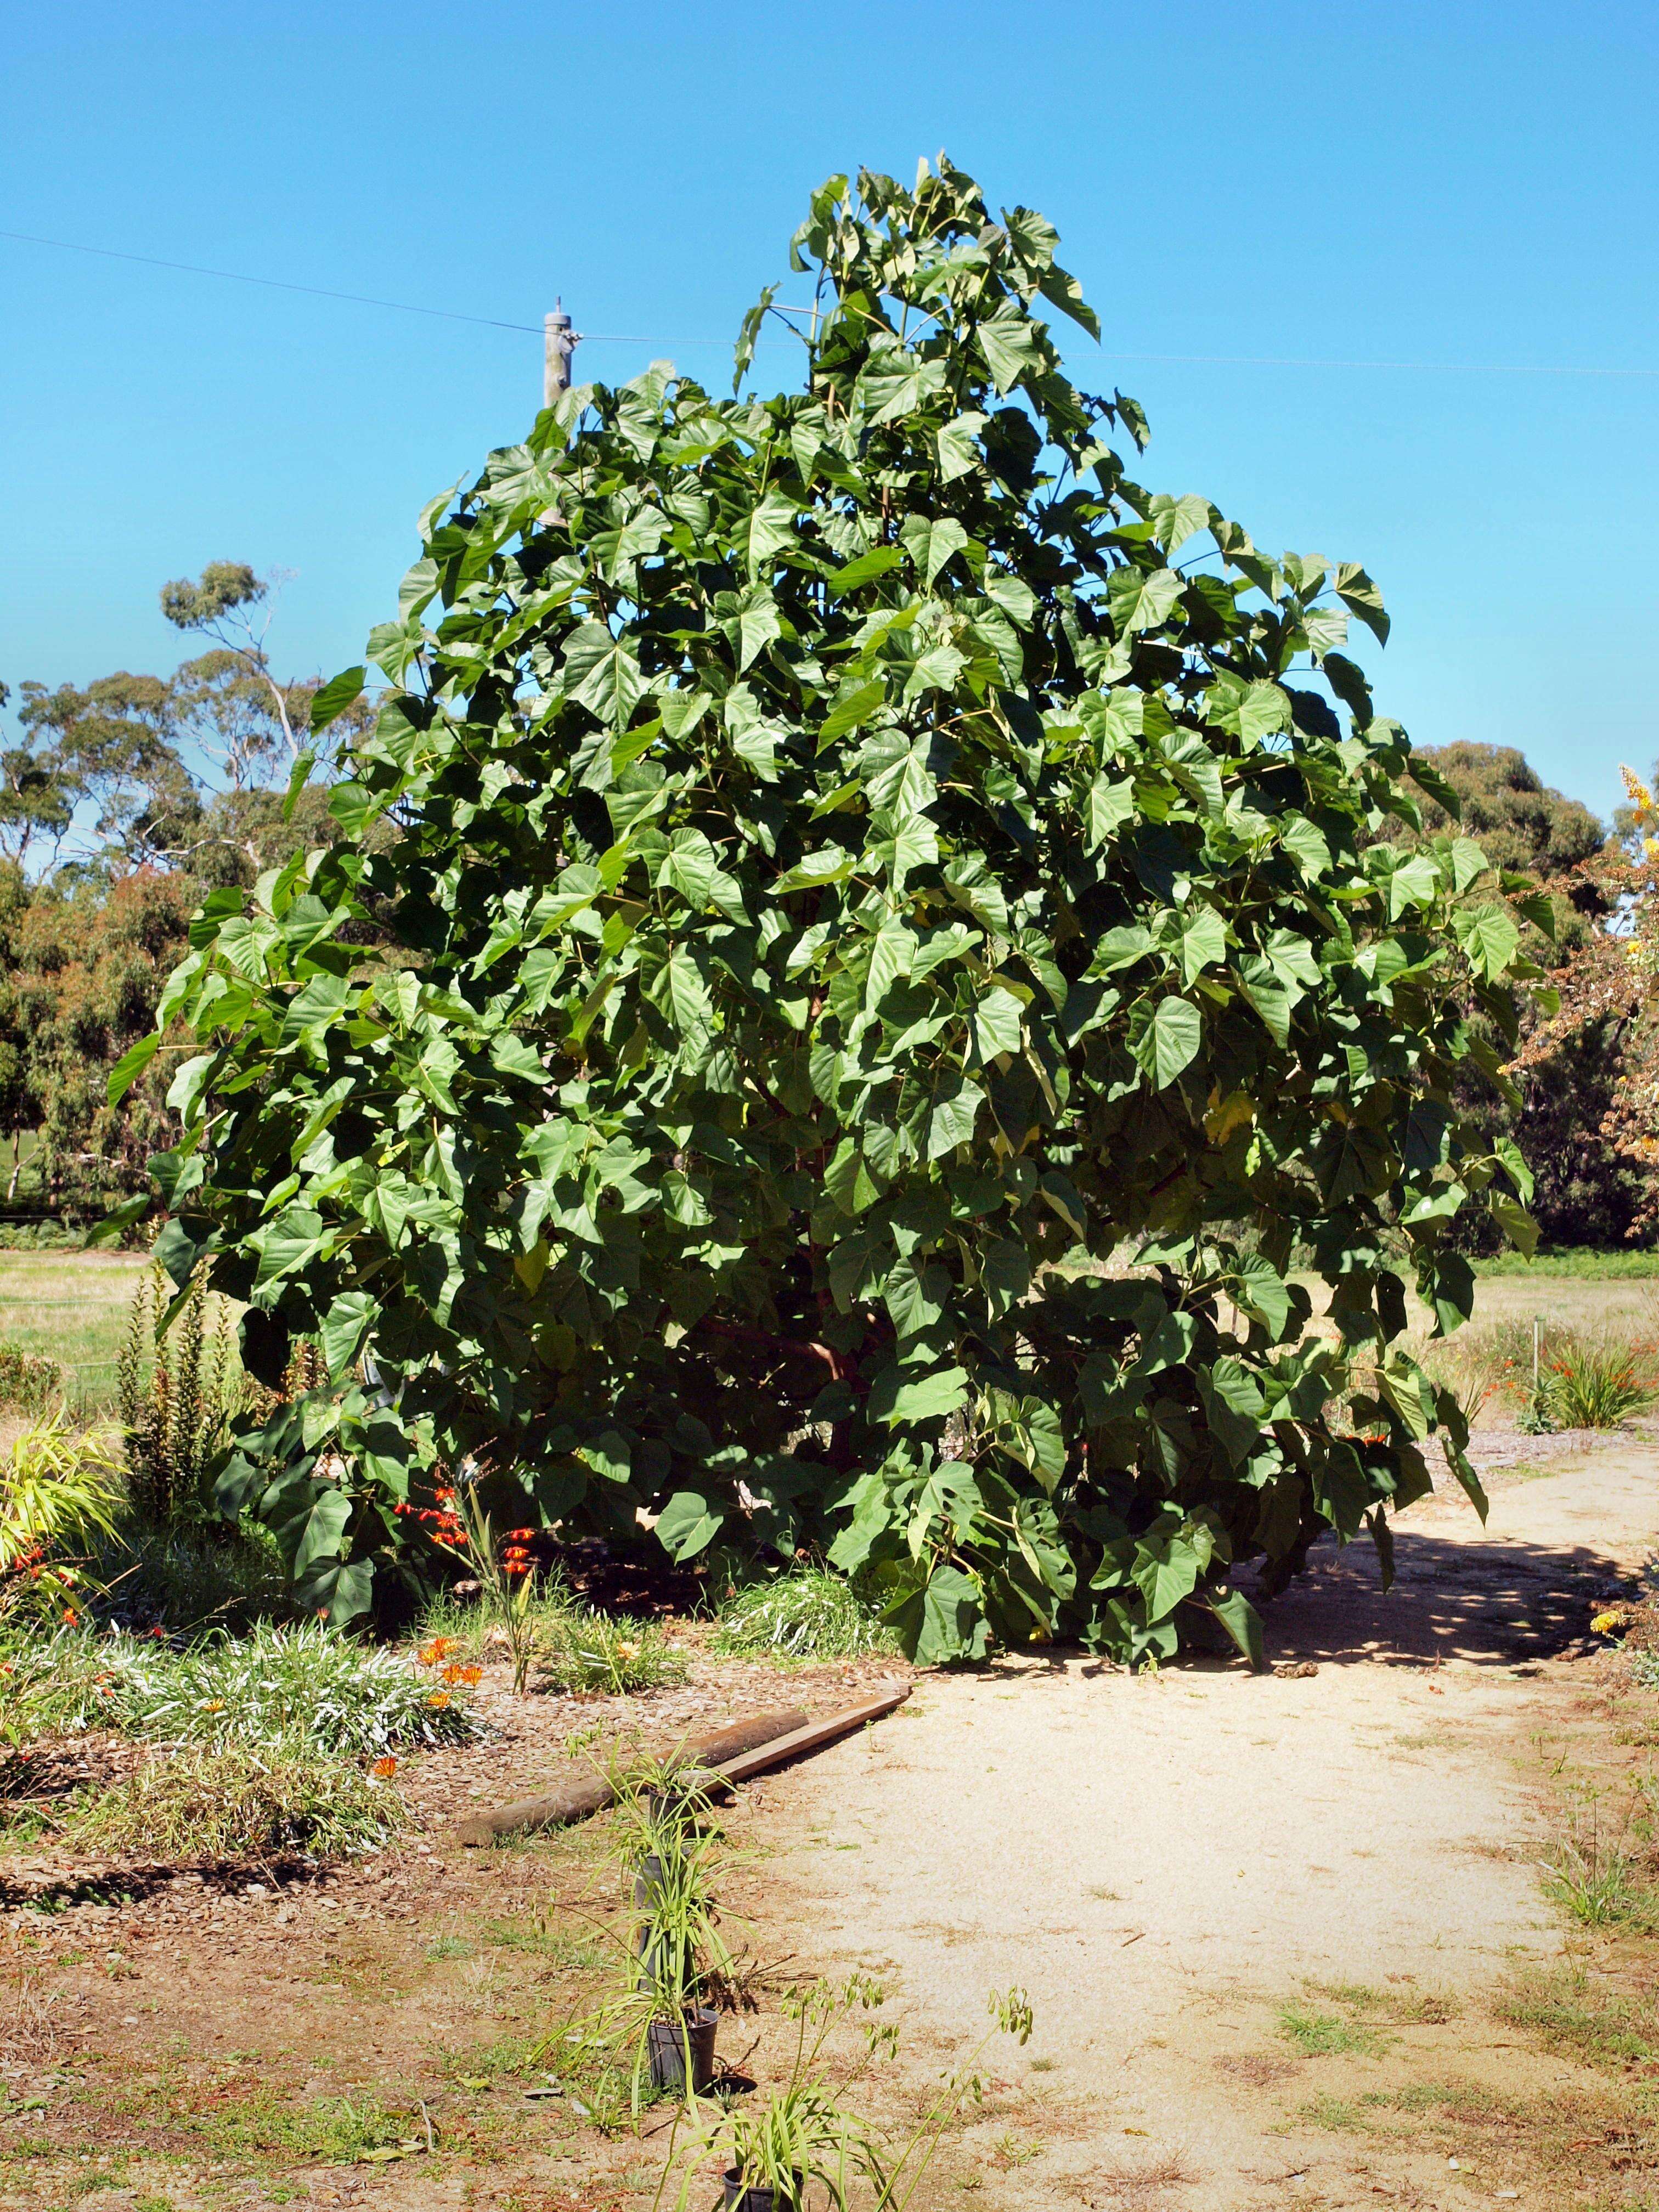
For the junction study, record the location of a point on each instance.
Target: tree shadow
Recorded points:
(1502, 1602)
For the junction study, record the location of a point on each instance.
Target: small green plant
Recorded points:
(593, 1650)
(808, 1613)
(505, 1576)
(59, 1488)
(196, 1803)
(29, 1384)
(1594, 1875)
(175, 1393)
(670, 1850)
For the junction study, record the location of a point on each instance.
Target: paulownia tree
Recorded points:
(862, 863)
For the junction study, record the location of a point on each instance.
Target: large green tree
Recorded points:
(865, 868)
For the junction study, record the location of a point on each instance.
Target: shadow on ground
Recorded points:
(1500, 1602)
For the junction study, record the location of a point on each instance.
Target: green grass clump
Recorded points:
(805, 1614)
(587, 1649)
(466, 1621)
(1592, 1383)
(573, 1646)
(1597, 2024)
(305, 1685)
(1601, 1888)
(262, 2121)
(190, 1802)
(1327, 2035)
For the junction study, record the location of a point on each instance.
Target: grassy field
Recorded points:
(70, 1307)
(1582, 1264)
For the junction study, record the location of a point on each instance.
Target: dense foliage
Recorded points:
(863, 865)
(1610, 993)
(1567, 1082)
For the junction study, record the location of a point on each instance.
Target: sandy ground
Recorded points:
(1166, 1862)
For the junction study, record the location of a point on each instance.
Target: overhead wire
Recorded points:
(613, 337)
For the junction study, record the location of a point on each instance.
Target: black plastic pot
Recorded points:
(666, 2041)
(647, 1883)
(741, 2198)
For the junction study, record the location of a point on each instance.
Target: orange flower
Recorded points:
(439, 1698)
(385, 1768)
(467, 1674)
(437, 1648)
(71, 1618)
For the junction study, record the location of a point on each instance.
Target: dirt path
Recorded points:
(1172, 1865)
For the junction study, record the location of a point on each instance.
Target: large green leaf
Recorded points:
(602, 673)
(1169, 1041)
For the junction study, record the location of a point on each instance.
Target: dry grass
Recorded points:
(30, 2036)
(1138, 2186)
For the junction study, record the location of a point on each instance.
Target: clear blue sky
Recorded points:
(1448, 184)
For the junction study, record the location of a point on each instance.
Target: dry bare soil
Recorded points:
(1286, 1936)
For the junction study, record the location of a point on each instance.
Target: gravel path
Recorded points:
(1166, 1862)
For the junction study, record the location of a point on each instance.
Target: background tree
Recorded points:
(115, 743)
(159, 790)
(37, 795)
(1521, 821)
(1589, 1189)
(1610, 988)
(855, 852)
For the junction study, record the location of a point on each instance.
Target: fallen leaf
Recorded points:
(412, 2147)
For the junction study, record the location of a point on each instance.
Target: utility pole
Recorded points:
(559, 343)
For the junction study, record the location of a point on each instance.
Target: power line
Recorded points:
(355, 299)
(613, 337)
(271, 283)
(1419, 368)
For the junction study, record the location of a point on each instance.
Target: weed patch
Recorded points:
(806, 1616)
(1583, 2018)
(596, 1651)
(1328, 2035)
(30, 1383)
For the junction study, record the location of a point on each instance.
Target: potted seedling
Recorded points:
(685, 1959)
(672, 1852)
(805, 2135)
